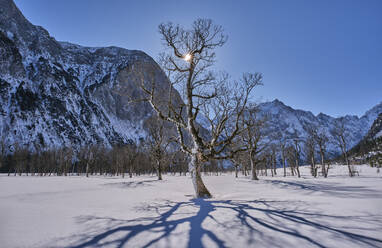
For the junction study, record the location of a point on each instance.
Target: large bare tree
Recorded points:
(189, 56)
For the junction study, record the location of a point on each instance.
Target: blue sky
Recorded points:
(322, 56)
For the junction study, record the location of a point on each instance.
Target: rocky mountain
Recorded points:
(57, 93)
(289, 122)
(375, 130)
(60, 94)
(369, 149)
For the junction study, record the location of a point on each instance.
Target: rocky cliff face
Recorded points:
(376, 129)
(60, 94)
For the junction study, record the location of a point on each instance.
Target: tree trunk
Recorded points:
(291, 169)
(236, 171)
(323, 170)
(283, 158)
(200, 189)
(130, 171)
(314, 169)
(298, 168)
(87, 169)
(253, 168)
(159, 170)
(348, 164)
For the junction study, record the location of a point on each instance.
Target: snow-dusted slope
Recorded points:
(286, 120)
(57, 93)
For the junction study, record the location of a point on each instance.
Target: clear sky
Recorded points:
(322, 56)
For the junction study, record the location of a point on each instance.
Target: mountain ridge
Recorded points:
(56, 93)
(287, 121)
(62, 94)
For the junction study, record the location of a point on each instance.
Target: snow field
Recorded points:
(142, 212)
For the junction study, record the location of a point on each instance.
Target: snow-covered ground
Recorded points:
(143, 212)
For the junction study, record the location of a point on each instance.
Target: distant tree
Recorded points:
(88, 156)
(283, 145)
(131, 155)
(340, 134)
(297, 151)
(157, 143)
(180, 162)
(2, 151)
(290, 158)
(253, 138)
(20, 159)
(274, 158)
(321, 140)
(239, 160)
(310, 150)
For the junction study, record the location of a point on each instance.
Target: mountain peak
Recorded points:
(277, 101)
(10, 15)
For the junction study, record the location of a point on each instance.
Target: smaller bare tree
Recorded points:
(310, 151)
(157, 142)
(340, 134)
(283, 145)
(253, 137)
(297, 150)
(321, 140)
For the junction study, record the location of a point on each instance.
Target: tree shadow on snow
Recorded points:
(334, 189)
(132, 184)
(260, 223)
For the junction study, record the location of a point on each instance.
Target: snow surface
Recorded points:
(142, 212)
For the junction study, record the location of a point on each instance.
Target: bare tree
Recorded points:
(2, 150)
(187, 62)
(88, 157)
(132, 154)
(157, 142)
(283, 145)
(297, 150)
(290, 158)
(340, 134)
(274, 159)
(321, 140)
(253, 138)
(239, 160)
(20, 159)
(310, 150)
(180, 161)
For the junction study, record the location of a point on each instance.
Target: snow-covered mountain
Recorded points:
(286, 121)
(57, 93)
(61, 94)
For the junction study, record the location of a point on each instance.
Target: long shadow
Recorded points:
(265, 222)
(333, 189)
(132, 184)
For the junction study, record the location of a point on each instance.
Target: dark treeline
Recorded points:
(122, 160)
